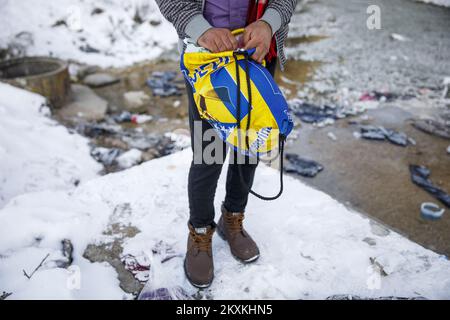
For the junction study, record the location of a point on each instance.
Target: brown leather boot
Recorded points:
(198, 264)
(241, 244)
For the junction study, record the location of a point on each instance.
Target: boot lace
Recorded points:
(202, 241)
(234, 223)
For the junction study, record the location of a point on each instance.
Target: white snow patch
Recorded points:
(36, 153)
(30, 26)
(445, 3)
(311, 245)
(129, 158)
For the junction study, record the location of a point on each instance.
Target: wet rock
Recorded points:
(110, 253)
(85, 104)
(135, 99)
(129, 158)
(378, 229)
(370, 241)
(82, 71)
(97, 80)
(420, 176)
(302, 167)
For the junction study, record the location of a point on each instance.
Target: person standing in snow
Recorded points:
(209, 23)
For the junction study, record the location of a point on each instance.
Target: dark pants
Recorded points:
(203, 177)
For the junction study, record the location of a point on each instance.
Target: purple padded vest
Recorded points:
(230, 14)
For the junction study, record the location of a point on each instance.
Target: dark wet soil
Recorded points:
(371, 176)
(169, 113)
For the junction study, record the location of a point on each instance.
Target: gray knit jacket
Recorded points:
(187, 18)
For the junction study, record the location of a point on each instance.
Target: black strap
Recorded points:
(238, 119)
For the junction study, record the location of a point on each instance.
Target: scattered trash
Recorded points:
(163, 85)
(436, 127)
(332, 136)
(311, 113)
(448, 149)
(446, 92)
(175, 293)
(94, 130)
(127, 116)
(123, 117)
(129, 158)
(135, 99)
(302, 167)
(67, 251)
(88, 49)
(381, 133)
(176, 103)
(5, 295)
(97, 80)
(420, 175)
(105, 156)
(141, 118)
(138, 266)
(378, 267)
(431, 211)
(377, 96)
(181, 138)
(399, 37)
(357, 135)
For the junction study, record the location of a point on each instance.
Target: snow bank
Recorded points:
(35, 152)
(445, 3)
(311, 245)
(61, 28)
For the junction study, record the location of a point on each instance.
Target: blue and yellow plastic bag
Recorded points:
(224, 83)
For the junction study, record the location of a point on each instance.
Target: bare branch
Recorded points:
(37, 268)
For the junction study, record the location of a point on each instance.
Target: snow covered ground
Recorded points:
(311, 245)
(108, 31)
(110, 27)
(36, 153)
(445, 3)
